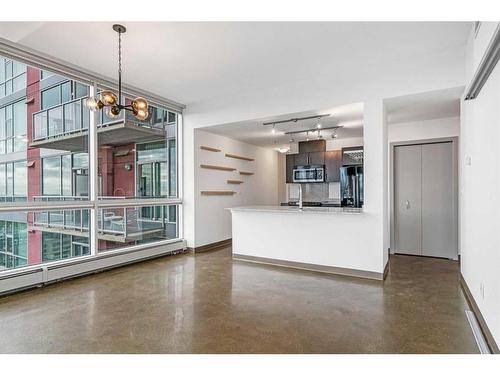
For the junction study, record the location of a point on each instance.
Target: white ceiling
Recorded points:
(409, 108)
(194, 62)
(350, 117)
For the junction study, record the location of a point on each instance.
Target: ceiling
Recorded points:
(349, 117)
(409, 108)
(192, 62)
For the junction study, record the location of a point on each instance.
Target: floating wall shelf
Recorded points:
(207, 148)
(217, 167)
(239, 157)
(234, 182)
(246, 173)
(218, 192)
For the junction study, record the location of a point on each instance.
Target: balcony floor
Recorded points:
(208, 303)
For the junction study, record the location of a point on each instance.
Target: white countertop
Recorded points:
(304, 210)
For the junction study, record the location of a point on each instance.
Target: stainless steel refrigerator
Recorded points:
(351, 186)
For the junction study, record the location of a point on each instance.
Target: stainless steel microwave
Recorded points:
(309, 173)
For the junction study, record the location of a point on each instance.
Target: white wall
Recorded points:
(212, 219)
(479, 197)
(421, 130)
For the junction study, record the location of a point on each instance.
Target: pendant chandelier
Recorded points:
(110, 101)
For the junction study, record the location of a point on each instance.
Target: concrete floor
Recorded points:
(209, 304)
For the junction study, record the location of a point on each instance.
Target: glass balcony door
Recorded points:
(153, 182)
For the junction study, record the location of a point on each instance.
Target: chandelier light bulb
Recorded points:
(140, 104)
(91, 104)
(273, 130)
(112, 112)
(109, 98)
(141, 114)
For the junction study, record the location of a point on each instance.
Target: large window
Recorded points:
(51, 208)
(13, 127)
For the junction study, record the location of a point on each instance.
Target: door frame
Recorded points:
(454, 143)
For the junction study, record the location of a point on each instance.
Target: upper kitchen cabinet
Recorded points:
(333, 163)
(302, 159)
(290, 164)
(316, 158)
(352, 155)
(311, 153)
(312, 146)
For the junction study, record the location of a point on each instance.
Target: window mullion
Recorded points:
(93, 176)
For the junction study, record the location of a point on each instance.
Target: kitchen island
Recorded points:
(322, 239)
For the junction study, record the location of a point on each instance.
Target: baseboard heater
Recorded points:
(486, 66)
(48, 273)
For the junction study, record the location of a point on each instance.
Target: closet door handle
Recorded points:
(407, 204)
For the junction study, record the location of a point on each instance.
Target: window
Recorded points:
(63, 93)
(13, 182)
(56, 246)
(12, 76)
(65, 176)
(13, 120)
(51, 97)
(51, 172)
(133, 164)
(13, 244)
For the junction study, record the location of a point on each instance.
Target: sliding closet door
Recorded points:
(407, 199)
(437, 201)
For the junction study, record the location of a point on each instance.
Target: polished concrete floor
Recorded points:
(209, 304)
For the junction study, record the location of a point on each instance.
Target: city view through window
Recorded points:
(44, 157)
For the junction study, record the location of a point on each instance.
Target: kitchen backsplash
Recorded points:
(315, 192)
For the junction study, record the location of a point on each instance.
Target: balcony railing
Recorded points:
(123, 222)
(73, 117)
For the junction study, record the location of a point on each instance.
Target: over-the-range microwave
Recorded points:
(309, 173)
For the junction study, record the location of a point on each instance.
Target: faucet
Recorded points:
(300, 196)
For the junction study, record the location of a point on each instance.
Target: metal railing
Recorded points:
(73, 117)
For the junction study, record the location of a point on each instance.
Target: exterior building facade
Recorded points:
(44, 157)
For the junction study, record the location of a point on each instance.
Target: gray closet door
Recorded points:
(437, 200)
(407, 199)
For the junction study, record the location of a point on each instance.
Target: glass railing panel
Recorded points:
(40, 125)
(55, 118)
(137, 225)
(72, 116)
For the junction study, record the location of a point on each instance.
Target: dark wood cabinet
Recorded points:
(290, 164)
(301, 159)
(333, 163)
(317, 158)
(312, 146)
